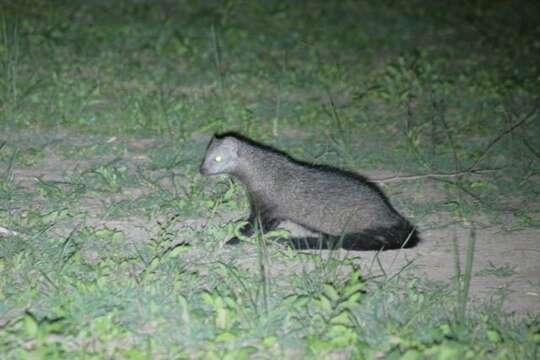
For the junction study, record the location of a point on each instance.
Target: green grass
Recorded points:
(105, 112)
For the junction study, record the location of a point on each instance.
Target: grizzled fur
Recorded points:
(345, 209)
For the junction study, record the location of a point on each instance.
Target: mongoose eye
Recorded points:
(218, 158)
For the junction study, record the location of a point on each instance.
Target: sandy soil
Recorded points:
(518, 251)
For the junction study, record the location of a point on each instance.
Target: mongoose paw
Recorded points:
(247, 230)
(233, 241)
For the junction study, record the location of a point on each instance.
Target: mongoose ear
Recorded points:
(214, 141)
(231, 144)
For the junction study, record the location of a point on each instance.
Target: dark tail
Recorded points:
(403, 236)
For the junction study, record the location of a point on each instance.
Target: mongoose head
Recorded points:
(221, 156)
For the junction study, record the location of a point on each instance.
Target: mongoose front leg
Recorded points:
(253, 223)
(247, 230)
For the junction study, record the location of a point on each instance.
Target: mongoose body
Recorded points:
(343, 208)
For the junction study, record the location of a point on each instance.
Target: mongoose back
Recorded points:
(343, 208)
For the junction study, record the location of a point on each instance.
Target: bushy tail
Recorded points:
(401, 236)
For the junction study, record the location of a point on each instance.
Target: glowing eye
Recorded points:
(218, 158)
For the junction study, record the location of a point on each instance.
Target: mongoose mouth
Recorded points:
(203, 170)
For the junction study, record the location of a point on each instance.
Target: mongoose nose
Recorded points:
(202, 170)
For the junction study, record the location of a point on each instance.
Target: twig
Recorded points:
(462, 188)
(46, 277)
(432, 175)
(476, 197)
(334, 114)
(503, 134)
(63, 258)
(436, 106)
(531, 149)
(409, 263)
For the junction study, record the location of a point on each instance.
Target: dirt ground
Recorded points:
(494, 248)
(433, 258)
(517, 252)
